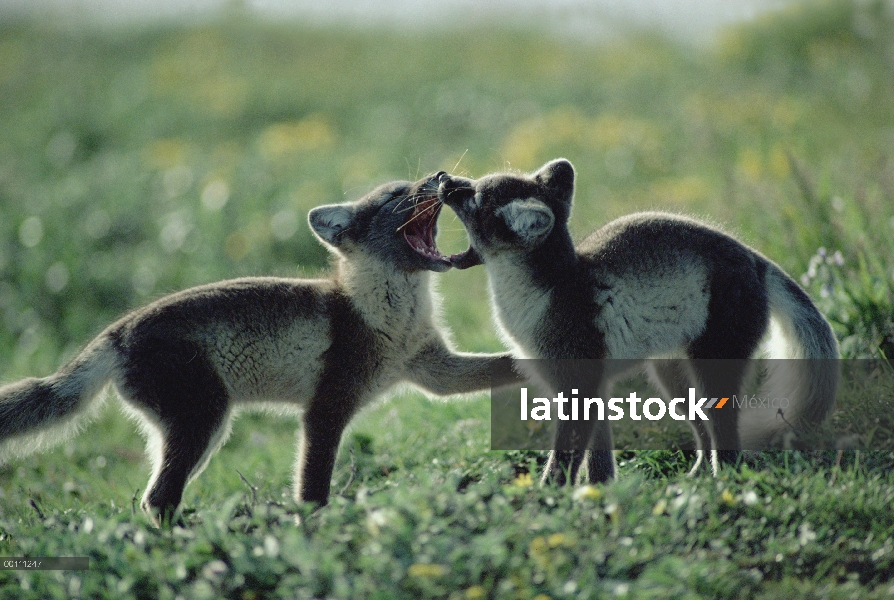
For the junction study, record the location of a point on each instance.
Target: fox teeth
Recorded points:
(422, 249)
(427, 252)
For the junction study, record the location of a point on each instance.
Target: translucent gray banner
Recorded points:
(657, 404)
(45, 563)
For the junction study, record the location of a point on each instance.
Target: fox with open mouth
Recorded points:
(185, 363)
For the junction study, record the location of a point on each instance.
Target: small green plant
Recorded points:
(858, 300)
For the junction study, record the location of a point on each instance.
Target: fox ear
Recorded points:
(530, 219)
(330, 221)
(557, 174)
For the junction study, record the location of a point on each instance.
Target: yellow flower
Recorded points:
(474, 592)
(750, 163)
(311, 133)
(681, 190)
(537, 545)
(425, 570)
(779, 162)
(165, 153)
(727, 497)
(587, 492)
(523, 481)
(555, 540)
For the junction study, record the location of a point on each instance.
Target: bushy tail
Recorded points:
(805, 386)
(36, 413)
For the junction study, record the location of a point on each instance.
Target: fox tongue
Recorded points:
(467, 259)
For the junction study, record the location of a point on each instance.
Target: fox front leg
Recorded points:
(441, 371)
(317, 450)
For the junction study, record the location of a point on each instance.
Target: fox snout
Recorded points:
(432, 183)
(453, 190)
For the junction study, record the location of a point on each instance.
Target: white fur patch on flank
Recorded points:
(653, 313)
(284, 364)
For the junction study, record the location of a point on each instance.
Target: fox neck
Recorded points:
(552, 262)
(522, 286)
(556, 257)
(386, 297)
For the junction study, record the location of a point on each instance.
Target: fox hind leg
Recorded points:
(738, 319)
(184, 452)
(674, 377)
(600, 459)
(719, 379)
(186, 410)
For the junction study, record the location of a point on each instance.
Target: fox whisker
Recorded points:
(428, 210)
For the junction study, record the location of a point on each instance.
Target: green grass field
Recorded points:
(139, 161)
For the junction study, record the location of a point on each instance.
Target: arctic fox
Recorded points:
(184, 363)
(645, 285)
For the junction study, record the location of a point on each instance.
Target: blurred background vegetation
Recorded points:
(139, 160)
(142, 158)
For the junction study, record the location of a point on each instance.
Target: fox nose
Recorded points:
(445, 181)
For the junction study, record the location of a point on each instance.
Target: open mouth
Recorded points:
(468, 258)
(420, 230)
(421, 227)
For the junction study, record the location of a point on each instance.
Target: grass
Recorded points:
(134, 162)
